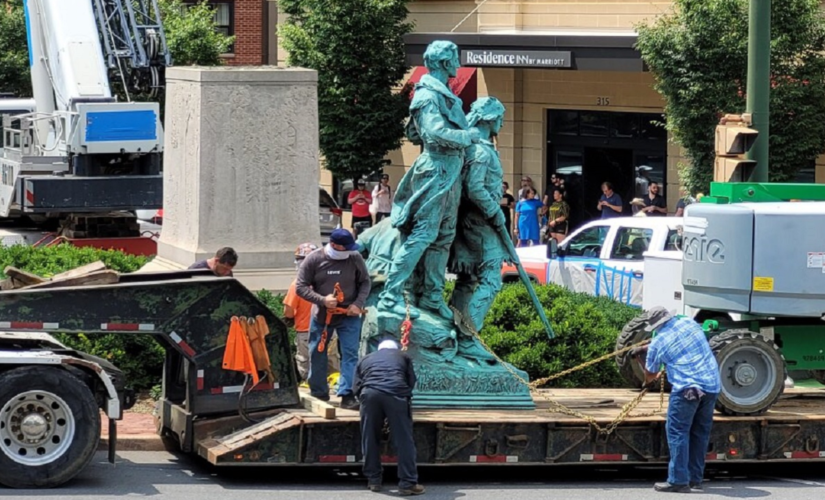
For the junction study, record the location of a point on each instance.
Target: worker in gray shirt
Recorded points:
(335, 279)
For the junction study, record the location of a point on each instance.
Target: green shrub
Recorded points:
(586, 327)
(276, 304)
(139, 356)
(48, 261)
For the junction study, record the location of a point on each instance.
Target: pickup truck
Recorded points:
(603, 257)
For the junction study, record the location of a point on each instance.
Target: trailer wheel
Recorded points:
(49, 427)
(819, 376)
(633, 333)
(752, 369)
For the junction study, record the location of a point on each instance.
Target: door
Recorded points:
(607, 165)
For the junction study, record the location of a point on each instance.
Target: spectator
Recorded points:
(655, 204)
(527, 217)
(384, 382)
(507, 204)
(558, 213)
(221, 264)
(610, 202)
(382, 198)
(526, 182)
(299, 311)
(360, 199)
(685, 199)
(339, 263)
(555, 182)
(682, 347)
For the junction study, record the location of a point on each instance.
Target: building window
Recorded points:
(224, 17)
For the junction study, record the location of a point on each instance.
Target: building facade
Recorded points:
(580, 102)
(253, 23)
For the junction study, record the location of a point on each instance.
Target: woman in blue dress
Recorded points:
(527, 215)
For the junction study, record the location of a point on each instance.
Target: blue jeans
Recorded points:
(688, 433)
(349, 337)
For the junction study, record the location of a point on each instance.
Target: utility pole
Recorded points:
(759, 84)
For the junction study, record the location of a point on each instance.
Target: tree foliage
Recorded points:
(14, 58)
(698, 55)
(190, 35)
(357, 47)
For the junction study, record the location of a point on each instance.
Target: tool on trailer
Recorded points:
(339, 296)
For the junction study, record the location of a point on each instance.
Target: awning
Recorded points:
(577, 50)
(464, 85)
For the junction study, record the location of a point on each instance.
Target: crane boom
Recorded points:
(83, 148)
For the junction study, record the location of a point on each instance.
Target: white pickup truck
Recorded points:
(603, 257)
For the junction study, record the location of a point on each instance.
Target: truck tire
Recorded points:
(819, 376)
(752, 369)
(49, 427)
(633, 333)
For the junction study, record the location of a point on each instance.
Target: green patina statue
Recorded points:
(426, 200)
(446, 216)
(479, 250)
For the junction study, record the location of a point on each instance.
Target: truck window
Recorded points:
(587, 243)
(674, 240)
(631, 243)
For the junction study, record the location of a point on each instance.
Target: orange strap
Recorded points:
(339, 296)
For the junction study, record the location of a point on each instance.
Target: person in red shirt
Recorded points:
(360, 200)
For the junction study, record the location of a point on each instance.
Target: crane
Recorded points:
(83, 145)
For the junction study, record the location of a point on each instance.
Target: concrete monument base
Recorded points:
(240, 168)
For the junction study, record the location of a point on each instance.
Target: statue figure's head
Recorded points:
(488, 111)
(442, 55)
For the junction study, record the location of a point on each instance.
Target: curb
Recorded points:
(135, 442)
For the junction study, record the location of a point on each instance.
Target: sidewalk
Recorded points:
(136, 432)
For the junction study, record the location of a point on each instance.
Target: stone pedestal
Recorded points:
(240, 168)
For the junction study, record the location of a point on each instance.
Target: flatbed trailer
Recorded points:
(218, 415)
(791, 431)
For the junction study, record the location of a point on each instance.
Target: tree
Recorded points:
(698, 55)
(190, 35)
(14, 58)
(357, 47)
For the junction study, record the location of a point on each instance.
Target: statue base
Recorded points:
(453, 368)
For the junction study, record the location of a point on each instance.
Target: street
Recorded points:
(167, 476)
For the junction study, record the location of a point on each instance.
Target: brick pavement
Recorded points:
(136, 432)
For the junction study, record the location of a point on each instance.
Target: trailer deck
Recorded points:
(792, 430)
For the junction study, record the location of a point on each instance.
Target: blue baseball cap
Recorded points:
(344, 238)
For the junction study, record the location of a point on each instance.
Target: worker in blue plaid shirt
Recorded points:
(681, 346)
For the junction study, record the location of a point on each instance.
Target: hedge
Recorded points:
(585, 326)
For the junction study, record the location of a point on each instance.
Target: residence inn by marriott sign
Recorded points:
(516, 58)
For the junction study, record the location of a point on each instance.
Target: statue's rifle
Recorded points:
(502, 232)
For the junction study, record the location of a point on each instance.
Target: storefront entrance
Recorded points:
(587, 148)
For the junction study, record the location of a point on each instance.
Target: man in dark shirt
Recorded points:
(221, 264)
(507, 203)
(655, 205)
(384, 382)
(610, 202)
(339, 262)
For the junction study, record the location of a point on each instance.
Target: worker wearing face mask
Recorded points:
(337, 283)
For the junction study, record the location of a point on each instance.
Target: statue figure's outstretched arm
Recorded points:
(434, 129)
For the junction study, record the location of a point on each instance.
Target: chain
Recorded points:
(556, 407)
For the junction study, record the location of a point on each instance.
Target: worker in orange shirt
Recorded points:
(300, 310)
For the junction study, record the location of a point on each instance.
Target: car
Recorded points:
(329, 215)
(603, 257)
